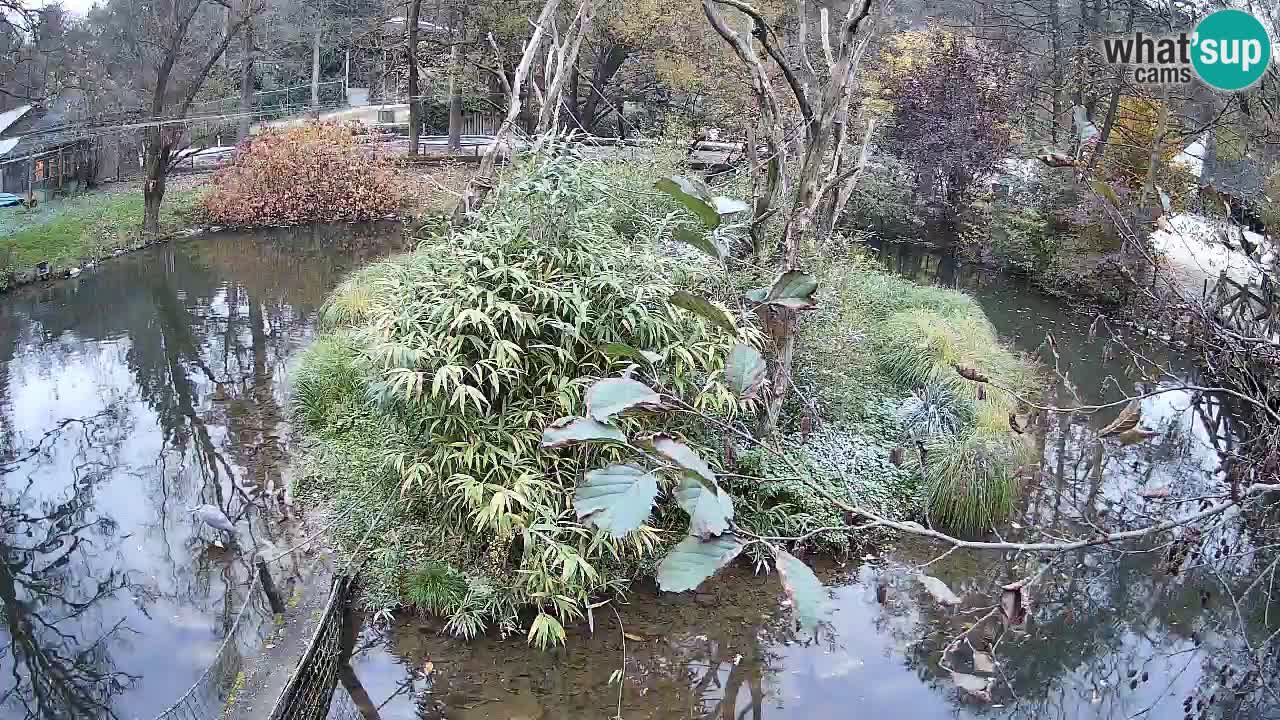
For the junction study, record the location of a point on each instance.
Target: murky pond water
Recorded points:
(1110, 634)
(156, 382)
(146, 386)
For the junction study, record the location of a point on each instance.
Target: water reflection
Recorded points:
(146, 386)
(1175, 627)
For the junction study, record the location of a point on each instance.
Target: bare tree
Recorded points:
(169, 48)
(415, 92)
(565, 53)
(824, 118)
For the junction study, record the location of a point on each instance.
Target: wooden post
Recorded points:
(269, 588)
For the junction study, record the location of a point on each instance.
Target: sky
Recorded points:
(78, 7)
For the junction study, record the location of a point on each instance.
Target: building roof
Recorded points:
(59, 125)
(9, 117)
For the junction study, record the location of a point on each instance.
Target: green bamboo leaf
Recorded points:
(681, 454)
(693, 194)
(568, 430)
(703, 307)
(616, 498)
(808, 596)
(693, 560)
(745, 370)
(622, 350)
(699, 240)
(611, 396)
(710, 508)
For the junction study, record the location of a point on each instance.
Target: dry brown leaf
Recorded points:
(1126, 420)
(1135, 435)
(632, 636)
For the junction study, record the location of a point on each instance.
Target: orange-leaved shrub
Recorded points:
(308, 173)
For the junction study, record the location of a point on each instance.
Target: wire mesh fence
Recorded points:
(310, 689)
(209, 696)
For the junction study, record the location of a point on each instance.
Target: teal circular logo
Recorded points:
(1231, 50)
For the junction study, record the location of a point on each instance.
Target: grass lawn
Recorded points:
(87, 227)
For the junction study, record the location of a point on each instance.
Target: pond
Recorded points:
(148, 385)
(157, 382)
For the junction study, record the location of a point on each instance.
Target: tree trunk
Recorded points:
(607, 66)
(780, 326)
(575, 101)
(315, 70)
(415, 102)
(156, 167)
(455, 102)
(246, 84)
(1055, 73)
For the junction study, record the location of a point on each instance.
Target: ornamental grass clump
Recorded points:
(451, 361)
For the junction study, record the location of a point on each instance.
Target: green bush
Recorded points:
(879, 341)
(444, 366)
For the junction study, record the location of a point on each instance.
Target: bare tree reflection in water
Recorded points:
(55, 569)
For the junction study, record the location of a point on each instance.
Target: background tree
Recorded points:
(164, 52)
(950, 113)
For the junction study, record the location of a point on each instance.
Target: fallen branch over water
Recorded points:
(912, 528)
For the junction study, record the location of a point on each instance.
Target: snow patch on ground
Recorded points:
(1200, 249)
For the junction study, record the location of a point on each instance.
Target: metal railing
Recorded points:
(280, 103)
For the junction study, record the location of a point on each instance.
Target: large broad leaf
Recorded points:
(710, 508)
(699, 240)
(1085, 129)
(745, 370)
(694, 560)
(611, 396)
(703, 307)
(793, 289)
(694, 195)
(793, 284)
(568, 430)
(616, 498)
(808, 596)
(683, 455)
